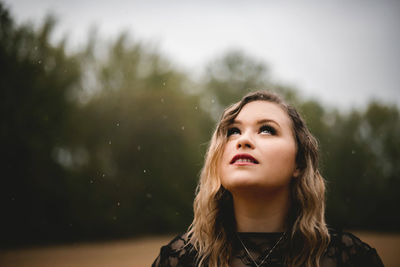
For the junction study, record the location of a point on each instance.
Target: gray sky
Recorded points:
(340, 52)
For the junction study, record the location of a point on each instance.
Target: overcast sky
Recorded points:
(343, 53)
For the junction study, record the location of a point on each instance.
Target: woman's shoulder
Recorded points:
(178, 252)
(349, 250)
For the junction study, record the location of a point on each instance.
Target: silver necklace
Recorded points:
(266, 257)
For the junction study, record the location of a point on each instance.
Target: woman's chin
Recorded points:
(241, 183)
(251, 185)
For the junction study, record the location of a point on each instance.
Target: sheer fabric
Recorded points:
(345, 250)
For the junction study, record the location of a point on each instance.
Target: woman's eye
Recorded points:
(267, 130)
(233, 130)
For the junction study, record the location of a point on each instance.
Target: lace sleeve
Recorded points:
(349, 250)
(177, 253)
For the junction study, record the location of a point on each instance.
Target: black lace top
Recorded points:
(345, 250)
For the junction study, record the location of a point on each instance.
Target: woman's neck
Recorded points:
(261, 213)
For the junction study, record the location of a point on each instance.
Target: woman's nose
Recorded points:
(244, 142)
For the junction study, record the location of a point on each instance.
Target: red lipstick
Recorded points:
(247, 159)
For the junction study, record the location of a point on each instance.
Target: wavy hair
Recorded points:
(212, 230)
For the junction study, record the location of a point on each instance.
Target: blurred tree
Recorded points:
(228, 78)
(34, 78)
(141, 135)
(359, 159)
(97, 146)
(234, 74)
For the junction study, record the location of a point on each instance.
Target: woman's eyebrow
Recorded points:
(267, 121)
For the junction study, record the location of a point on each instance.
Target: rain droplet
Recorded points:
(183, 128)
(212, 100)
(163, 83)
(177, 213)
(91, 181)
(144, 171)
(148, 195)
(118, 204)
(36, 48)
(162, 100)
(40, 62)
(139, 148)
(117, 123)
(104, 175)
(353, 152)
(109, 142)
(195, 107)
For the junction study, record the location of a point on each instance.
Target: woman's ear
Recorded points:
(296, 172)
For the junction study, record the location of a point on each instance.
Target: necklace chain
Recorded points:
(266, 257)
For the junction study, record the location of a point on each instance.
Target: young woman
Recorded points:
(260, 198)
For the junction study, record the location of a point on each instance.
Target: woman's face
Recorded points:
(260, 151)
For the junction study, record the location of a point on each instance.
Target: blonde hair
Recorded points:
(212, 230)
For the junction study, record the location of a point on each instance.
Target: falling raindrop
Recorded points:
(118, 204)
(353, 152)
(117, 123)
(148, 195)
(163, 84)
(40, 62)
(139, 148)
(91, 181)
(195, 107)
(162, 100)
(183, 128)
(144, 171)
(109, 142)
(104, 175)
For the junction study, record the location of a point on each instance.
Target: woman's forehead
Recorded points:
(262, 110)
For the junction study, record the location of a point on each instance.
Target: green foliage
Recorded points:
(98, 144)
(233, 75)
(35, 76)
(360, 152)
(362, 167)
(108, 141)
(230, 77)
(142, 143)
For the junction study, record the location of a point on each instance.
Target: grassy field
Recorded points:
(141, 252)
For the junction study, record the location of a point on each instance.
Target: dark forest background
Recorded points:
(107, 141)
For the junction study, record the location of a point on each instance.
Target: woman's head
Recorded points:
(263, 118)
(259, 153)
(283, 155)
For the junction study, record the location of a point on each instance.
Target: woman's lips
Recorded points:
(243, 159)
